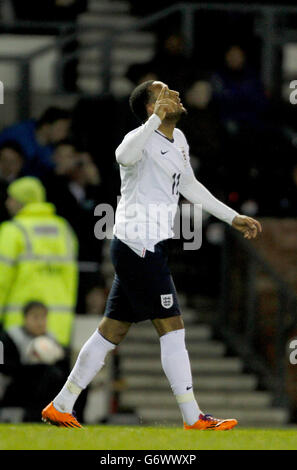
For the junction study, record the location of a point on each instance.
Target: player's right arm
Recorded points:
(130, 150)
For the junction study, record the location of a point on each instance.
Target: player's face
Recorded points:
(173, 95)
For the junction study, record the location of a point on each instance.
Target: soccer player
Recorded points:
(155, 167)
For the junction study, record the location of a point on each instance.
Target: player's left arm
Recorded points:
(196, 193)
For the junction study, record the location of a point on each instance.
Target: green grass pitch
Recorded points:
(46, 437)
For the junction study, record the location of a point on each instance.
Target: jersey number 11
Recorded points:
(175, 183)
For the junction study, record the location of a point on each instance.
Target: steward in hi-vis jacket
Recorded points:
(38, 260)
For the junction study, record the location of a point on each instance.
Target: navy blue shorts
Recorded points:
(143, 288)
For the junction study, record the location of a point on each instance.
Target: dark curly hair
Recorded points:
(139, 98)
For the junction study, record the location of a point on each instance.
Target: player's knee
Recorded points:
(114, 337)
(113, 330)
(166, 325)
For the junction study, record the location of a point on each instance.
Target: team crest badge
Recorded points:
(167, 300)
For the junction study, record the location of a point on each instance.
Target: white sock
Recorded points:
(176, 365)
(90, 360)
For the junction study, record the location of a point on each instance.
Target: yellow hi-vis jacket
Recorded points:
(38, 261)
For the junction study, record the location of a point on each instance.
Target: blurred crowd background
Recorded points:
(242, 131)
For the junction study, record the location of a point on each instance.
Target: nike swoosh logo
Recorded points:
(188, 388)
(163, 153)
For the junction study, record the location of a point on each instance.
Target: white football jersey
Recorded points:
(154, 169)
(150, 191)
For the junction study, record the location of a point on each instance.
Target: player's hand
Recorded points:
(164, 104)
(249, 227)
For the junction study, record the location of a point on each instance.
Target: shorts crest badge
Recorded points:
(167, 300)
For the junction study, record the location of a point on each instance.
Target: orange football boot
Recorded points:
(209, 422)
(57, 418)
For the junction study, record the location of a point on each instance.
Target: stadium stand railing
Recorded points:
(267, 27)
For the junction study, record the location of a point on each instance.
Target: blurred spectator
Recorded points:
(243, 108)
(205, 135)
(95, 131)
(214, 155)
(37, 138)
(95, 300)
(74, 186)
(11, 167)
(38, 253)
(35, 364)
(239, 93)
(171, 65)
